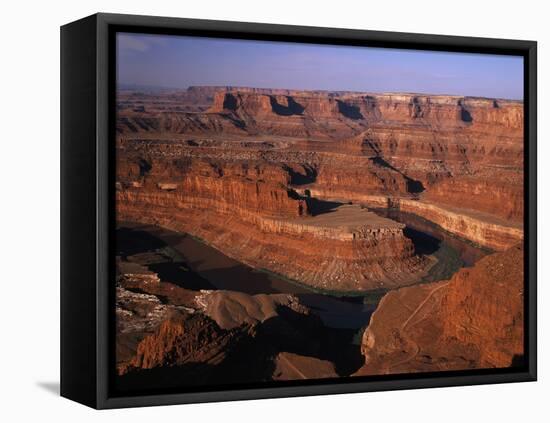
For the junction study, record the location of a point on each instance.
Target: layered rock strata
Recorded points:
(249, 211)
(241, 173)
(267, 177)
(474, 320)
(227, 336)
(481, 228)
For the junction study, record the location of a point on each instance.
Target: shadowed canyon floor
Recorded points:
(258, 230)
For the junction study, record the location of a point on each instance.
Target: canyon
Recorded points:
(178, 317)
(474, 320)
(332, 200)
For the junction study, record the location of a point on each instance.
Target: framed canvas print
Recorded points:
(255, 211)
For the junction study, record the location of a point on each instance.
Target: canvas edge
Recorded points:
(78, 334)
(104, 21)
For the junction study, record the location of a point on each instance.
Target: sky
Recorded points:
(173, 61)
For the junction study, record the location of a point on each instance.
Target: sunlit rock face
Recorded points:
(256, 157)
(293, 184)
(266, 224)
(474, 320)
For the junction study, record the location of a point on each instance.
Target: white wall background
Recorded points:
(29, 178)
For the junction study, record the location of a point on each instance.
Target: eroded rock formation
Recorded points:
(184, 339)
(290, 366)
(230, 309)
(251, 212)
(461, 155)
(474, 320)
(228, 335)
(286, 182)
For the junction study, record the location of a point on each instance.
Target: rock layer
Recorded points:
(290, 366)
(283, 180)
(481, 228)
(243, 172)
(474, 320)
(184, 339)
(251, 212)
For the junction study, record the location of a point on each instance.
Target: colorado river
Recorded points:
(211, 269)
(428, 237)
(218, 271)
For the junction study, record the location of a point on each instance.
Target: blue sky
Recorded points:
(179, 62)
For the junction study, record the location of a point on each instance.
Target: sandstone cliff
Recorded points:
(182, 340)
(448, 147)
(251, 212)
(310, 111)
(474, 320)
(227, 336)
(242, 175)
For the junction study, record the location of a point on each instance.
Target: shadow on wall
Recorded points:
(293, 108)
(50, 387)
(424, 244)
(317, 207)
(413, 186)
(144, 167)
(230, 102)
(130, 241)
(350, 111)
(465, 115)
(252, 358)
(297, 178)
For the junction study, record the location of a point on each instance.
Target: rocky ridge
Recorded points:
(474, 320)
(288, 152)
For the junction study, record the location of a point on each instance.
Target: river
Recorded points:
(212, 269)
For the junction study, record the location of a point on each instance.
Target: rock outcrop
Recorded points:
(171, 329)
(137, 314)
(474, 320)
(290, 366)
(231, 309)
(228, 336)
(251, 212)
(184, 339)
(250, 173)
(483, 229)
(287, 182)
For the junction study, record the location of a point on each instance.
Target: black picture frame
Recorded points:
(87, 207)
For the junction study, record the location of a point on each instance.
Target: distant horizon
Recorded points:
(170, 62)
(140, 87)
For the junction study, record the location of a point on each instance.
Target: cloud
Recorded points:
(130, 42)
(138, 43)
